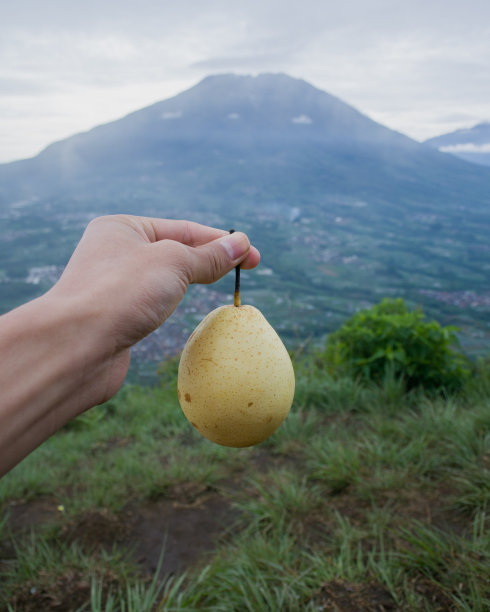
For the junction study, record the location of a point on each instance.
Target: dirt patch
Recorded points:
(263, 459)
(25, 515)
(188, 526)
(189, 523)
(343, 596)
(434, 595)
(188, 493)
(431, 506)
(62, 593)
(348, 505)
(105, 446)
(21, 518)
(95, 530)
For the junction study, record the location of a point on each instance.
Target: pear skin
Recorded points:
(236, 380)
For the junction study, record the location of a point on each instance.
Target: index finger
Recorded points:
(186, 232)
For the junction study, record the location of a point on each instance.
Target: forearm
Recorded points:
(54, 367)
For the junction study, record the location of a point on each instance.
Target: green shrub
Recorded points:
(389, 341)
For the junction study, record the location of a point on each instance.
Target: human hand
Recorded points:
(68, 350)
(131, 273)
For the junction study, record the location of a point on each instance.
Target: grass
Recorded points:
(366, 497)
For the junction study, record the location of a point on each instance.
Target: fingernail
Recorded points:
(235, 245)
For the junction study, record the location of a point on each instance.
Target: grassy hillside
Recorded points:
(365, 499)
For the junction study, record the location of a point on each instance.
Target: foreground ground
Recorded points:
(365, 499)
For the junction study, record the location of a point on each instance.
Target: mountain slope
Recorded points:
(471, 144)
(251, 129)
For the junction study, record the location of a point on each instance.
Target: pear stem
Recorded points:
(236, 295)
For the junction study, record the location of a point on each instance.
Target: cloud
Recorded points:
(22, 86)
(468, 147)
(239, 62)
(172, 115)
(302, 119)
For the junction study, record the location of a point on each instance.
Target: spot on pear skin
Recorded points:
(250, 404)
(187, 398)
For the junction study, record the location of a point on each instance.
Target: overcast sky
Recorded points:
(421, 67)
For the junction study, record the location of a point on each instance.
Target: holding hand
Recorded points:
(69, 349)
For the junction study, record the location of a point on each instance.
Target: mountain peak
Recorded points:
(221, 90)
(266, 106)
(247, 82)
(478, 134)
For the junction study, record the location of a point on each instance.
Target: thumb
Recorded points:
(209, 262)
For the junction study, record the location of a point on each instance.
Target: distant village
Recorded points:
(460, 299)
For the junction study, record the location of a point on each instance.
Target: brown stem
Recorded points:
(236, 295)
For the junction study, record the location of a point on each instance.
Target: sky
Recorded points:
(420, 67)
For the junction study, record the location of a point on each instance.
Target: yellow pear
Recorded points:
(236, 379)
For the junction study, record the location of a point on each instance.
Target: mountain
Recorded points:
(232, 131)
(472, 144)
(343, 209)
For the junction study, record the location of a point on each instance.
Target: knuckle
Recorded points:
(96, 221)
(215, 266)
(99, 221)
(177, 256)
(187, 232)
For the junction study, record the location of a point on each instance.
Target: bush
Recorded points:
(388, 340)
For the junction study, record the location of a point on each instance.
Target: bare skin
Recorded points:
(69, 349)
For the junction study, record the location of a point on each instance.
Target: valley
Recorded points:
(316, 270)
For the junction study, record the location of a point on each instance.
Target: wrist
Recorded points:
(87, 349)
(59, 364)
